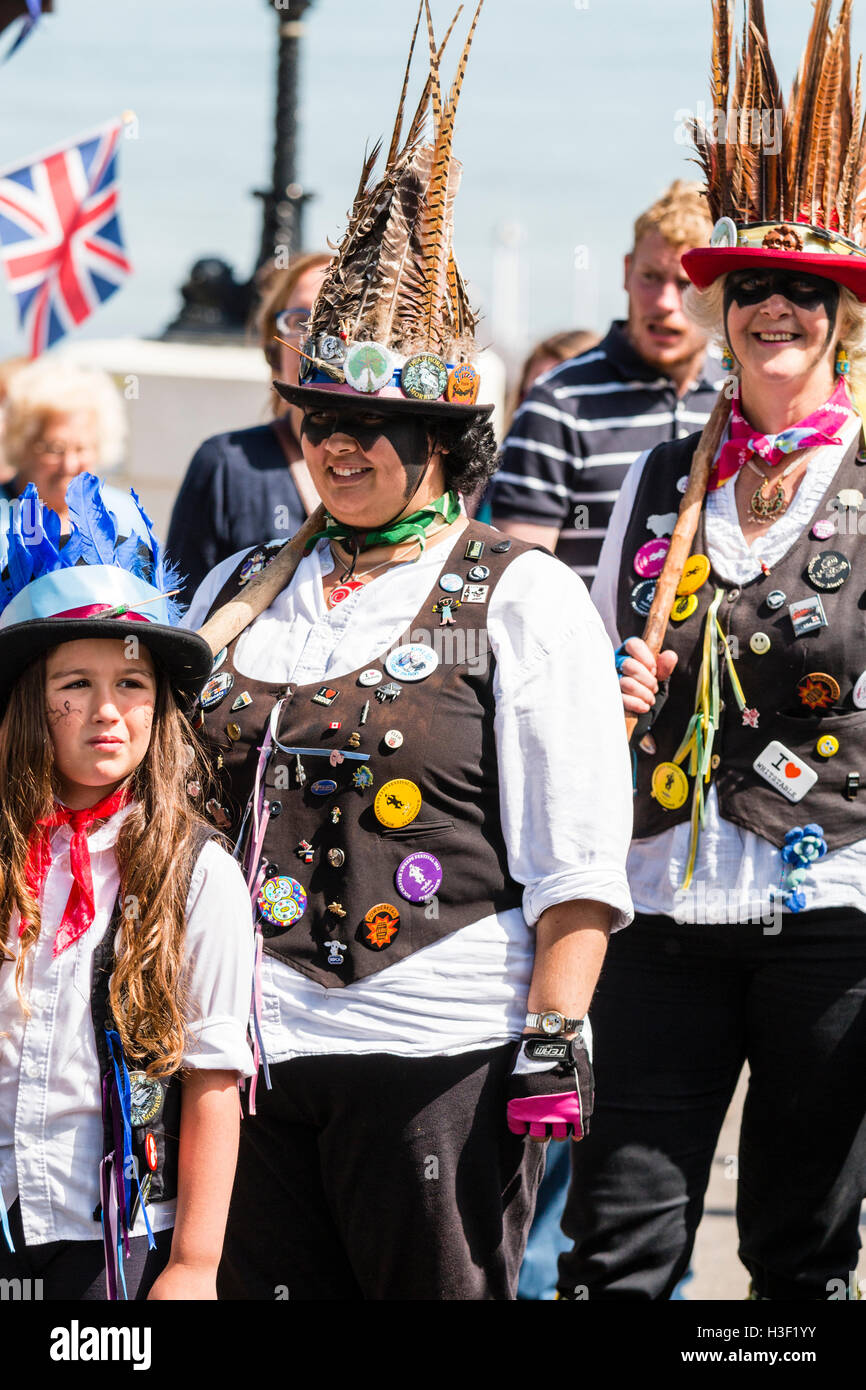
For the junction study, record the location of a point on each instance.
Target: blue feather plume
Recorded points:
(93, 540)
(91, 519)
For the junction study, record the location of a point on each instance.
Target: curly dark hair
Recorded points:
(471, 452)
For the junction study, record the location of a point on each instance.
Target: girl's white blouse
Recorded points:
(50, 1087)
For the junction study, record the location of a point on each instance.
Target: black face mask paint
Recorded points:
(747, 287)
(407, 434)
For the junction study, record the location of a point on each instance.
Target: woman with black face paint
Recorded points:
(426, 773)
(748, 867)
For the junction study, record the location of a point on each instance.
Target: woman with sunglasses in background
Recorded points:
(249, 486)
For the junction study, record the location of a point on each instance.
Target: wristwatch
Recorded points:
(553, 1023)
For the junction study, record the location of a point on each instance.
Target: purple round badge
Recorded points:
(823, 529)
(418, 877)
(650, 559)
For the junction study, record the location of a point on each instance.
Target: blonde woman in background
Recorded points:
(61, 420)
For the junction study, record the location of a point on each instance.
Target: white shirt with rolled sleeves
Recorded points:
(739, 866)
(50, 1086)
(565, 795)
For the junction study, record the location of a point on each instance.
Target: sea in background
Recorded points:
(570, 123)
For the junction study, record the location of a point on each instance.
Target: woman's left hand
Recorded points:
(191, 1283)
(552, 1089)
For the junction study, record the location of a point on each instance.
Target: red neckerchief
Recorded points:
(821, 427)
(79, 909)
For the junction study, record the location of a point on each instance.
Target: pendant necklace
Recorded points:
(766, 509)
(346, 586)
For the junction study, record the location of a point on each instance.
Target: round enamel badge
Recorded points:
(414, 662)
(463, 385)
(670, 786)
(817, 690)
(684, 607)
(216, 689)
(828, 570)
(370, 677)
(642, 596)
(650, 558)
(424, 377)
(418, 877)
(397, 803)
(381, 925)
(282, 901)
(368, 366)
(695, 573)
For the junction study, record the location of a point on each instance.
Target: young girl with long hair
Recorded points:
(125, 928)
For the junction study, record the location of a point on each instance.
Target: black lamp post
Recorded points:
(283, 203)
(215, 304)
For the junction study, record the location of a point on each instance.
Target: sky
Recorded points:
(569, 124)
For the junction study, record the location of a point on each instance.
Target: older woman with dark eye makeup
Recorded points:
(748, 866)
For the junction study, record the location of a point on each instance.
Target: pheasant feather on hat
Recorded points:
(784, 185)
(392, 321)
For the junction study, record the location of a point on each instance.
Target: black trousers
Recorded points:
(381, 1177)
(75, 1269)
(677, 1012)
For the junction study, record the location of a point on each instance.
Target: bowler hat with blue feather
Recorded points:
(91, 583)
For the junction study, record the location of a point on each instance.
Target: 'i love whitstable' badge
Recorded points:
(785, 772)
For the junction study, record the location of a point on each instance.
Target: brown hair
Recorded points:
(561, 346)
(681, 215)
(275, 287)
(147, 992)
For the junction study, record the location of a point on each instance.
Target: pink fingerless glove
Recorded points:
(551, 1090)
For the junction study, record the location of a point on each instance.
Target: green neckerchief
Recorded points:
(408, 527)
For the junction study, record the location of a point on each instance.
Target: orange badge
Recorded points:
(463, 386)
(818, 690)
(382, 923)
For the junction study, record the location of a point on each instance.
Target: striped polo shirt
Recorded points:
(572, 440)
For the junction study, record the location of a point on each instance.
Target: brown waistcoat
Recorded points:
(448, 752)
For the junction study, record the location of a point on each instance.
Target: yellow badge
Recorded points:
(695, 573)
(670, 786)
(828, 746)
(684, 607)
(397, 803)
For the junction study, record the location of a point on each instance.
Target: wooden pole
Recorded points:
(684, 533)
(225, 624)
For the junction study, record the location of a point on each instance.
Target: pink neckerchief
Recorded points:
(79, 909)
(821, 427)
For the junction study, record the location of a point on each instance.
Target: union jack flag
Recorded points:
(60, 236)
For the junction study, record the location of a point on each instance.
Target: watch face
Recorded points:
(551, 1023)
